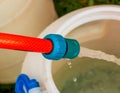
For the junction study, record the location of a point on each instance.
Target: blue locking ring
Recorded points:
(24, 84)
(59, 47)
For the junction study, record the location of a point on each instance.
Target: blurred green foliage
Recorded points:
(66, 6)
(7, 88)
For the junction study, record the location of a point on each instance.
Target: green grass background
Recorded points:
(63, 7)
(66, 6)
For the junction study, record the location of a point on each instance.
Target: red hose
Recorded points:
(24, 43)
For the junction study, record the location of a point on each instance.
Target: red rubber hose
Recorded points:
(24, 43)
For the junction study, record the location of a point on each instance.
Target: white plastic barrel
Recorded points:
(84, 25)
(24, 17)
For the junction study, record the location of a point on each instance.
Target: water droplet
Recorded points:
(74, 79)
(69, 63)
(68, 59)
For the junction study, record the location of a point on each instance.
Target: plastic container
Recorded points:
(24, 17)
(85, 25)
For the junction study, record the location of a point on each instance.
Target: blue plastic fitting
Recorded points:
(24, 84)
(62, 47)
(73, 48)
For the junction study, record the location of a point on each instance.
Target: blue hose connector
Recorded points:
(62, 47)
(25, 85)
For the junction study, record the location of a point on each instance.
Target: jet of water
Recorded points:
(86, 52)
